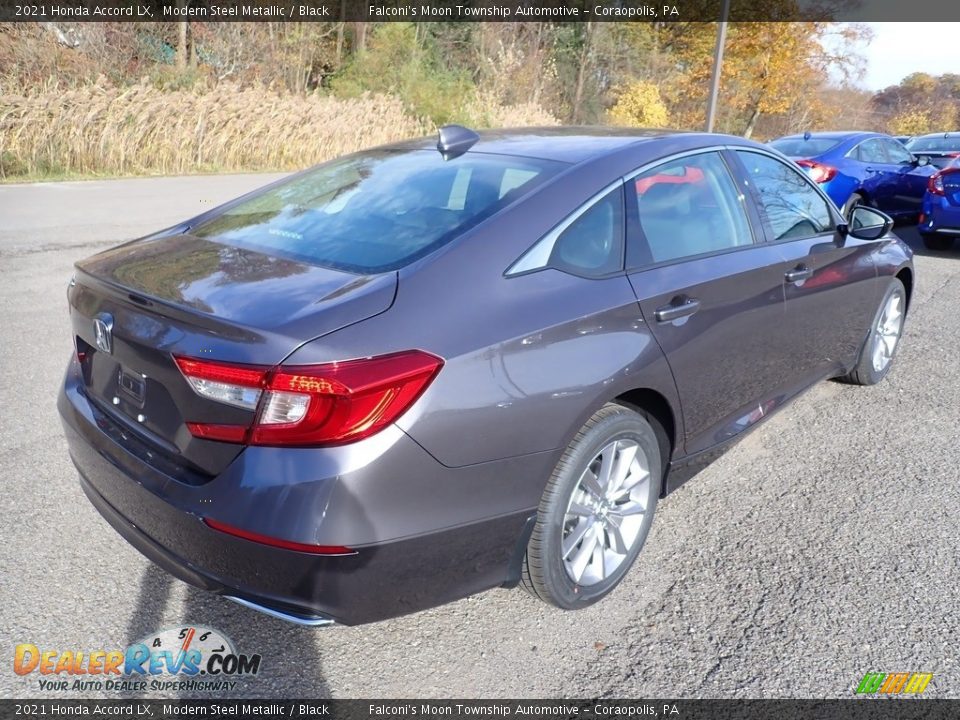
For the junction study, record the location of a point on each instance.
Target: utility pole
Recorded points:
(717, 64)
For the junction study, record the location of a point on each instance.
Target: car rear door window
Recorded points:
(686, 207)
(792, 206)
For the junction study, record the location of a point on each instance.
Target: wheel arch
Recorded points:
(867, 198)
(647, 401)
(905, 275)
(655, 405)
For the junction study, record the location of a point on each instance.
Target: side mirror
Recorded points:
(867, 224)
(921, 160)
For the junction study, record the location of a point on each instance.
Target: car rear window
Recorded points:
(798, 147)
(379, 210)
(935, 144)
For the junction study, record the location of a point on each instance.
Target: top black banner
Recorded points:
(483, 11)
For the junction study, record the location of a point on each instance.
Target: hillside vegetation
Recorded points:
(79, 99)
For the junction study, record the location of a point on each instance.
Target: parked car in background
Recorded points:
(437, 367)
(941, 148)
(861, 168)
(939, 222)
(903, 139)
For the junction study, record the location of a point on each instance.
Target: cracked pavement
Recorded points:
(823, 546)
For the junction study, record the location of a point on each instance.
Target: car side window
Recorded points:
(794, 209)
(688, 206)
(897, 153)
(871, 151)
(588, 244)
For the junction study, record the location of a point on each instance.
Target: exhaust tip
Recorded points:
(306, 620)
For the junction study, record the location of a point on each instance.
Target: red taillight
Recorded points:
(818, 172)
(245, 375)
(237, 385)
(306, 405)
(278, 542)
(935, 184)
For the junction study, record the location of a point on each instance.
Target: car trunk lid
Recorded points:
(137, 306)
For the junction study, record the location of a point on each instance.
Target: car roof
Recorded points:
(564, 144)
(835, 135)
(950, 135)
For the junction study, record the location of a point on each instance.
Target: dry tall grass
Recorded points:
(143, 130)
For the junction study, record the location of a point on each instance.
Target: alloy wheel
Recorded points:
(887, 333)
(606, 512)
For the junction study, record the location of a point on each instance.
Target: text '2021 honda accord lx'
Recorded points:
(428, 369)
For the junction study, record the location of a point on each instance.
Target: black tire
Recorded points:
(937, 242)
(850, 205)
(544, 573)
(865, 372)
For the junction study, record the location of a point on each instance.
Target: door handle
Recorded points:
(801, 272)
(670, 312)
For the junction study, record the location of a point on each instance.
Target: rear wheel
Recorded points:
(937, 242)
(877, 353)
(596, 511)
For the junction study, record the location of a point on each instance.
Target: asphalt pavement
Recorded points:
(824, 546)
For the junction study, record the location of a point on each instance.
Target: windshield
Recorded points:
(798, 147)
(935, 144)
(379, 210)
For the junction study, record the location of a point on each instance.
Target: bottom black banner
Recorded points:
(864, 709)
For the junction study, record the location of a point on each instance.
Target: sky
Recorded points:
(899, 49)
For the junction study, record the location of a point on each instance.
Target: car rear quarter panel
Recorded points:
(527, 359)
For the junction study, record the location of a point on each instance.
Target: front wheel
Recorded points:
(596, 511)
(881, 344)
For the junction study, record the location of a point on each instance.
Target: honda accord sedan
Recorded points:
(432, 368)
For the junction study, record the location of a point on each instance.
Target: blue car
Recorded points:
(940, 215)
(861, 168)
(941, 148)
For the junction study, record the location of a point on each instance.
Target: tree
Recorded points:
(768, 68)
(913, 122)
(921, 100)
(640, 105)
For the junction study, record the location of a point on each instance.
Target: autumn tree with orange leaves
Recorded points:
(772, 68)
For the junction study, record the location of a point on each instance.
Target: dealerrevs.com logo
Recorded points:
(184, 658)
(901, 683)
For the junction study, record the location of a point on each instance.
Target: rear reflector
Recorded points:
(277, 542)
(311, 405)
(224, 433)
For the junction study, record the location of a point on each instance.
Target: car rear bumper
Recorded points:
(940, 217)
(387, 576)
